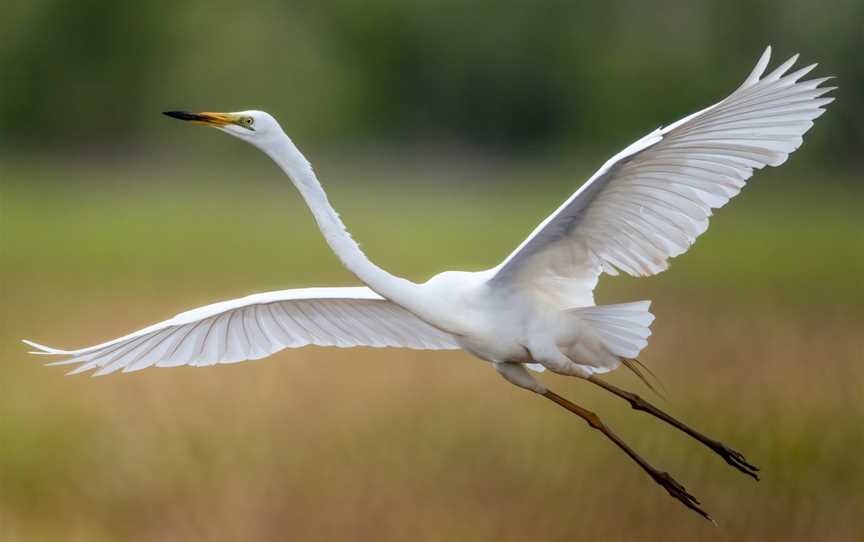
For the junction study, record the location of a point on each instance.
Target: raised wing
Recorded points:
(652, 200)
(258, 325)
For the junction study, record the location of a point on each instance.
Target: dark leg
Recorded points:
(731, 457)
(675, 489)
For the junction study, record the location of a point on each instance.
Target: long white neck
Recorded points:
(291, 160)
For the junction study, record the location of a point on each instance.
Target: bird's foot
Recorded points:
(678, 492)
(735, 459)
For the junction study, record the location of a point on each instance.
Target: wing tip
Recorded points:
(758, 69)
(42, 350)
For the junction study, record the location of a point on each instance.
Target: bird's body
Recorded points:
(645, 205)
(504, 325)
(494, 326)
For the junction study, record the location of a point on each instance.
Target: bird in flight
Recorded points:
(535, 310)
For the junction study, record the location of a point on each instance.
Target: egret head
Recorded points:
(255, 127)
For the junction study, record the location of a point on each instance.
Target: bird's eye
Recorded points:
(247, 121)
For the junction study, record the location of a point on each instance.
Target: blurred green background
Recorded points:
(444, 131)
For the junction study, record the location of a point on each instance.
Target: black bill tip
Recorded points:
(183, 115)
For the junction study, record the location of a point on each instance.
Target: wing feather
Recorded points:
(256, 326)
(652, 200)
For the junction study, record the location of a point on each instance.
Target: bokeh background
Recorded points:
(444, 132)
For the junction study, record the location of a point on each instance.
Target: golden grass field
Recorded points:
(758, 340)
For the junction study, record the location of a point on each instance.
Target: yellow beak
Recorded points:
(206, 118)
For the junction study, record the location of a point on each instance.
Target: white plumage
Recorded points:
(536, 309)
(652, 200)
(258, 325)
(645, 205)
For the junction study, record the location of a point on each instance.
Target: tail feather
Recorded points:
(601, 338)
(623, 329)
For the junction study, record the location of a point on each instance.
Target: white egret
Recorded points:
(536, 309)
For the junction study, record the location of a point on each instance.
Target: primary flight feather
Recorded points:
(536, 309)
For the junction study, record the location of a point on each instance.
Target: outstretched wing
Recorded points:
(258, 325)
(652, 200)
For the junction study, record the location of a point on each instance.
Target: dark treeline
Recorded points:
(486, 73)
